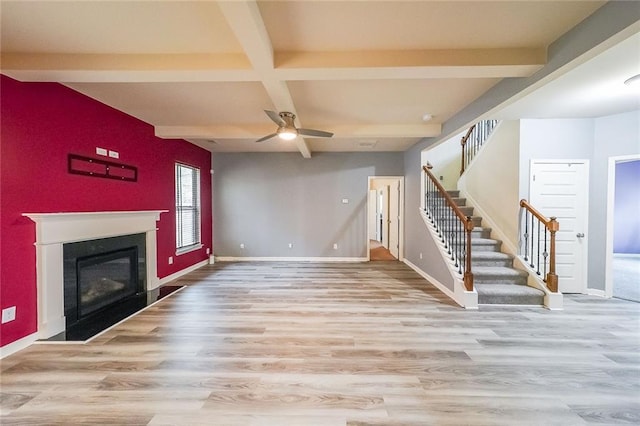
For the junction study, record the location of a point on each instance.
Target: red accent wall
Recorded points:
(41, 123)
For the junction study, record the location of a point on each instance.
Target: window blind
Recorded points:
(187, 206)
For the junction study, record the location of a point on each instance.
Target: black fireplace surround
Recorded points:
(104, 282)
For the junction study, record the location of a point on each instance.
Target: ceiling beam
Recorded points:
(142, 68)
(340, 131)
(258, 65)
(245, 21)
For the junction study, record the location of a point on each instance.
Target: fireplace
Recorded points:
(104, 281)
(58, 234)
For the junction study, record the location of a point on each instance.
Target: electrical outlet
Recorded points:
(241, 246)
(335, 246)
(170, 260)
(420, 255)
(8, 314)
(101, 151)
(290, 245)
(345, 201)
(114, 154)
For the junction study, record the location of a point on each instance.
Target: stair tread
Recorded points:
(484, 241)
(507, 290)
(504, 271)
(490, 255)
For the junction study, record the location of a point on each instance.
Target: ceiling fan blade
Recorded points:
(275, 117)
(317, 133)
(267, 137)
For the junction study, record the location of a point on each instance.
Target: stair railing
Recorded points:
(538, 243)
(453, 227)
(472, 141)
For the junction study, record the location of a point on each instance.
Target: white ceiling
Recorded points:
(206, 70)
(593, 89)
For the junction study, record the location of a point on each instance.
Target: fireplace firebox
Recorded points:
(105, 279)
(104, 282)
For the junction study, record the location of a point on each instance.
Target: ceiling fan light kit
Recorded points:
(287, 129)
(287, 134)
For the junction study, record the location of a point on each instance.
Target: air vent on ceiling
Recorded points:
(367, 144)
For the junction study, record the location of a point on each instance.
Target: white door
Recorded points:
(394, 219)
(384, 198)
(372, 214)
(561, 190)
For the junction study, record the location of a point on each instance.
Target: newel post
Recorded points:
(468, 275)
(552, 277)
(463, 142)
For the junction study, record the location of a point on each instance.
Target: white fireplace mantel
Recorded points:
(55, 229)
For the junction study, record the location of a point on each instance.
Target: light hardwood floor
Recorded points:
(335, 344)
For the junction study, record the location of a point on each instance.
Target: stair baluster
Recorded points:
(538, 259)
(473, 140)
(453, 226)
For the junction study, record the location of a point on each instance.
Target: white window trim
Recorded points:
(198, 245)
(189, 249)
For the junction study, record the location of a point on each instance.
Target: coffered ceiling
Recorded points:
(368, 71)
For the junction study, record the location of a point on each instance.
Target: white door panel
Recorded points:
(561, 190)
(394, 219)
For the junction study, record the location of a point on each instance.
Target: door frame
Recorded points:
(611, 190)
(585, 257)
(399, 179)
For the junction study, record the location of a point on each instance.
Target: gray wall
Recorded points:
(553, 139)
(417, 237)
(614, 135)
(266, 201)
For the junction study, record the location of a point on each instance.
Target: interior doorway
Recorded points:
(623, 229)
(385, 218)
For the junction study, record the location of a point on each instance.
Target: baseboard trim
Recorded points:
(18, 345)
(289, 259)
(182, 272)
(432, 280)
(596, 292)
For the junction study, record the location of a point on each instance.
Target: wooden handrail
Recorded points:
(466, 221)
(542, 218)
(551, 225)
(465, 138)
(463, 218)
(473, 140)
(463, 142)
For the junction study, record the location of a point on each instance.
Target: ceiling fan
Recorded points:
(287, 129)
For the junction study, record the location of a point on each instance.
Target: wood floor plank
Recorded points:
(334, 344)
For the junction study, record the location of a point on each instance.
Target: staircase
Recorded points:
(495, 279)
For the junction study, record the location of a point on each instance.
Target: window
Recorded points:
(187, 208)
